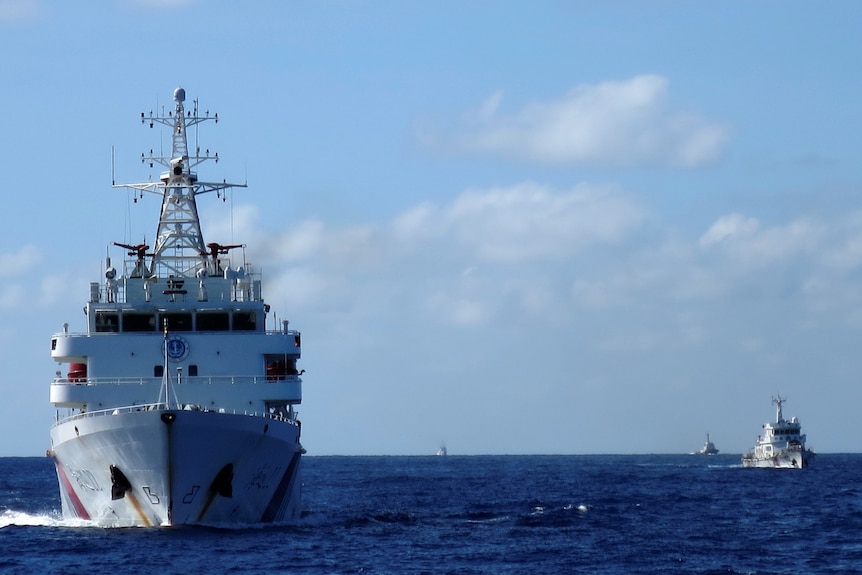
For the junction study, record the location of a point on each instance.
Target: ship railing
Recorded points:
(184, 380)
(131, 288)
(110, 411)
(160, 406)
(293, 332)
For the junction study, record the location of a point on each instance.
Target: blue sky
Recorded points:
(513, 227)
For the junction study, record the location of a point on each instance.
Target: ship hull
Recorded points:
(782, 460)
(176, 467)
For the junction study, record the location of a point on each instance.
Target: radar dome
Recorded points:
(179, 95)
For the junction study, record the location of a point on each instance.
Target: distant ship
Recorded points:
(708, 448)
(782, 444)
(442, 451)
(179, 406)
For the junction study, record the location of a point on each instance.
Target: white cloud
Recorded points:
(301, 243)
(490, 106)
(16, 264)
(357, 247)
(528, 222)
(537, 253)
(736, 257)
(848, 255)
(733, 225)
(627, 123)
(744, 240)
(297, 288)
(225, 225)
(417, 222)
(462, 262)
(521, 223)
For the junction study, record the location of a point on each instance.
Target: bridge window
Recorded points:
(139, 322)
(244, 321)
(181, 321)
(107, 321)
(213, 321)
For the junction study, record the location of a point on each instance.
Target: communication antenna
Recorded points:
(179, 249)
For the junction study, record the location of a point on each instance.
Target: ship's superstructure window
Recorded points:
(180, 321)
(139, 321)
(244, 321)
(107, 321)
(193, 370)
(213, 321)
(158, 371)
(279, 366)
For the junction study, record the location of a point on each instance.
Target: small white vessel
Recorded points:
(442, 451)
(782, 444)
(178, 406)
(708, 448)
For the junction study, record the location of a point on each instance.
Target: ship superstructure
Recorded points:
(178, 406)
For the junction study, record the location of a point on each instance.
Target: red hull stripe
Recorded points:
(77, 506)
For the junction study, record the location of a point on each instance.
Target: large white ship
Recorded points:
(781, 445)
(178, 406)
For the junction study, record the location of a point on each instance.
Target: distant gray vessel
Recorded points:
(708, 448)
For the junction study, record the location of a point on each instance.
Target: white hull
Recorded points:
(181, 467)
(783, 460)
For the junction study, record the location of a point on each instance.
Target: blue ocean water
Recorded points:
(645, 514)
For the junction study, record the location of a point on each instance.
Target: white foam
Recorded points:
(580, 508)
(10, 517)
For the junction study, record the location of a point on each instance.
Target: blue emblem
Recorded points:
(178, 348)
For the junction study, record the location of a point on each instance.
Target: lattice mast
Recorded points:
(180, 250)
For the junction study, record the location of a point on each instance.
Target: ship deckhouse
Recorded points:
(186, 297)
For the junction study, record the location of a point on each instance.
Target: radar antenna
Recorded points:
(180, 250)
(778, 401)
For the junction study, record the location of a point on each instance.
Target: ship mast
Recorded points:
(778, 401)
(180, 250)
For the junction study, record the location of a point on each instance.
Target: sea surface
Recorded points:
(480, 515)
